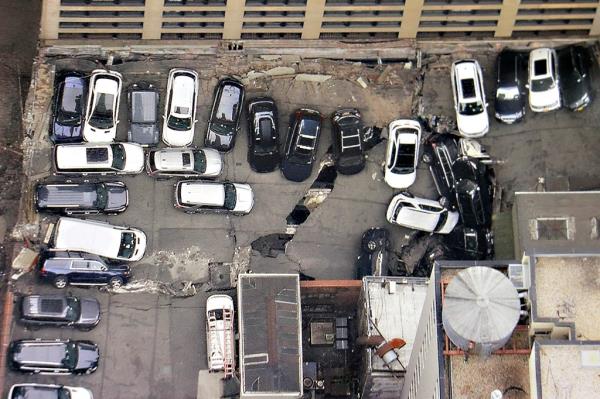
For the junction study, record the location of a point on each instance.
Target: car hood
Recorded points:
(80, 393)
(214, 162)
(512, 107)
(143, 134)
(66, 134)
(472, 125)
(220, 141)
(118, 197)
(244, 198)
(400, 180)
(177, 138)
(573, 92)
(87, 357)
(546, 98)
(90, 312)
(134, 159)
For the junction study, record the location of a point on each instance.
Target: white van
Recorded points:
(100, 238)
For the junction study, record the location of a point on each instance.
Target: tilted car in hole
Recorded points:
(421, 214)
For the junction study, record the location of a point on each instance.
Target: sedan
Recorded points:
(263, 135)
(301, 144)
(575, 81)
(510, 90)
(225, 115)
(68, 108)
(184, 162)
(48, 391)
(102, 106)
(469, 98)
(402, 153)
(348, 151)
(180, 108)
(421, 214)
(544, 94)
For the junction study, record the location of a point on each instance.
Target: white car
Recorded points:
(220, 342)
(184, 162)
(102, 111)
(105, 159)
(402, 153)
(469, 98)
(22, 391)
(193, 196)
(180, 108)
(99, 238)
(421, 214)
(544, 93)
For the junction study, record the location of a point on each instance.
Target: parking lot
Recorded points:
(153, 346)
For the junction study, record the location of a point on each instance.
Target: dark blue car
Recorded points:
(301, 144)
(68, 108)
(62, 268)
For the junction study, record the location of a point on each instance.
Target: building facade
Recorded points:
(317, 19)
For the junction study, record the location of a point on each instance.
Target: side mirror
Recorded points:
(527, 85)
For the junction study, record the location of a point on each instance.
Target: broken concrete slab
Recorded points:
(270, 57)
(25, 260)
(384, 74)
(309, 77)
(280, 71)
(361, 82)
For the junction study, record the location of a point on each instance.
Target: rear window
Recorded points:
(229, 103)
(540, 67)
(96, 154)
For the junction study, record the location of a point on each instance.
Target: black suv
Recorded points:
(263, 135)
(81, 198)
(375, 258)
(511, 69)
(574, 75)
(347, 134)
(301, 144)
(59, 311)
(225, 115)
(62, 268)
(49, 356)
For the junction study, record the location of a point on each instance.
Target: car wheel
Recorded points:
(61, 282)
(445, 202)
(372, 245)
(115, 282)
(426, 158)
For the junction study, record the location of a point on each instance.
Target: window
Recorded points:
(80, 265)
(552, 228)
(96, 154)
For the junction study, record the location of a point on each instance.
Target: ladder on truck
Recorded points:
(228, 349)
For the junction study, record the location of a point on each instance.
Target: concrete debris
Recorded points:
(241, 262)
(361, 82)
(23, 232)
(270, 57)
(25, 260)
(384, 74)
(255, 75)
(291, 58)
(408, 65)
(178, 289)
(308, 77)
(280, 71)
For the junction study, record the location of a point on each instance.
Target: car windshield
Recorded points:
(222, 127)
(441, 220)
(127, 247)
(230, 196)
(507, 93)
(542, 84)
(405, 160)
(70, 359)
(102, 115)
(471, 108)
(101, 197)
(118, 152)
(73, 308)
(180, 124)
(199, 162)
(71, 102)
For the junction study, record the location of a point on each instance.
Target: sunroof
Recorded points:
(540, 67)
(51, 305)
(96, 154)
(468, 88)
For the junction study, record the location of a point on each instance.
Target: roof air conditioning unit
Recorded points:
(518, 274)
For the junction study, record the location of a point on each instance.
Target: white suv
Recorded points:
(105, 159)
(402, 153)
(421, 214)
(180, 108)
(184, 162)
(102, 111)
(469, 98)
(193, 196)
(544, 94)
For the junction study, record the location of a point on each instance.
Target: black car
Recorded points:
(301, 144)
(48, 391)
(68, 107)
(511, 68)
(81, 198)
(263, 135)
(574, 74)
(347, 134)
(439, 152)
(465, 243)
(62, 268)
(143, 99)
(59, 311)
(375, 258)
(225, 115)
(50, 356)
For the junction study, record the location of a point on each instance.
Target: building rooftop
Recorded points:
(567, 289)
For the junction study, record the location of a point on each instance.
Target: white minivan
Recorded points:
(99, 238)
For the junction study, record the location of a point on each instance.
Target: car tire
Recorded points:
(61, 282)
(115, 282)
(426, 158)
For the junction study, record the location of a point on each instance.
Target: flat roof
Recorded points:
(270, 323)
(578, 210)
(566, 289)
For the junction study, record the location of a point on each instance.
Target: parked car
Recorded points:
(68, 107)
(263, 135)
(224, 121)
(143, 101)
(102, 113)
(53, 356)
(81, 198)
(544, 94)
(180, 108)
(574, 73)
(474, 190)
(375, 258)
(220, 334)
(301, 144)
(48, 391)
(59, 311)
(402, 155)
(99, 238)
(348, 151)
(469, 98)
(193, 196)
(510, 89)
(102, 159)
(421, 214)
(63, 268)
(184, 162)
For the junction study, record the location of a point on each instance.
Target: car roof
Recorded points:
(173, 159)
(143, 106)
(467, 75)
(184, 87)
(48, 352)
(508, 67)
(202, 193)
(230, 97)
(76, 156)
(95, 237)
(34, 305)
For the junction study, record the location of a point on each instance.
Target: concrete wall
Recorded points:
(315, 19)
